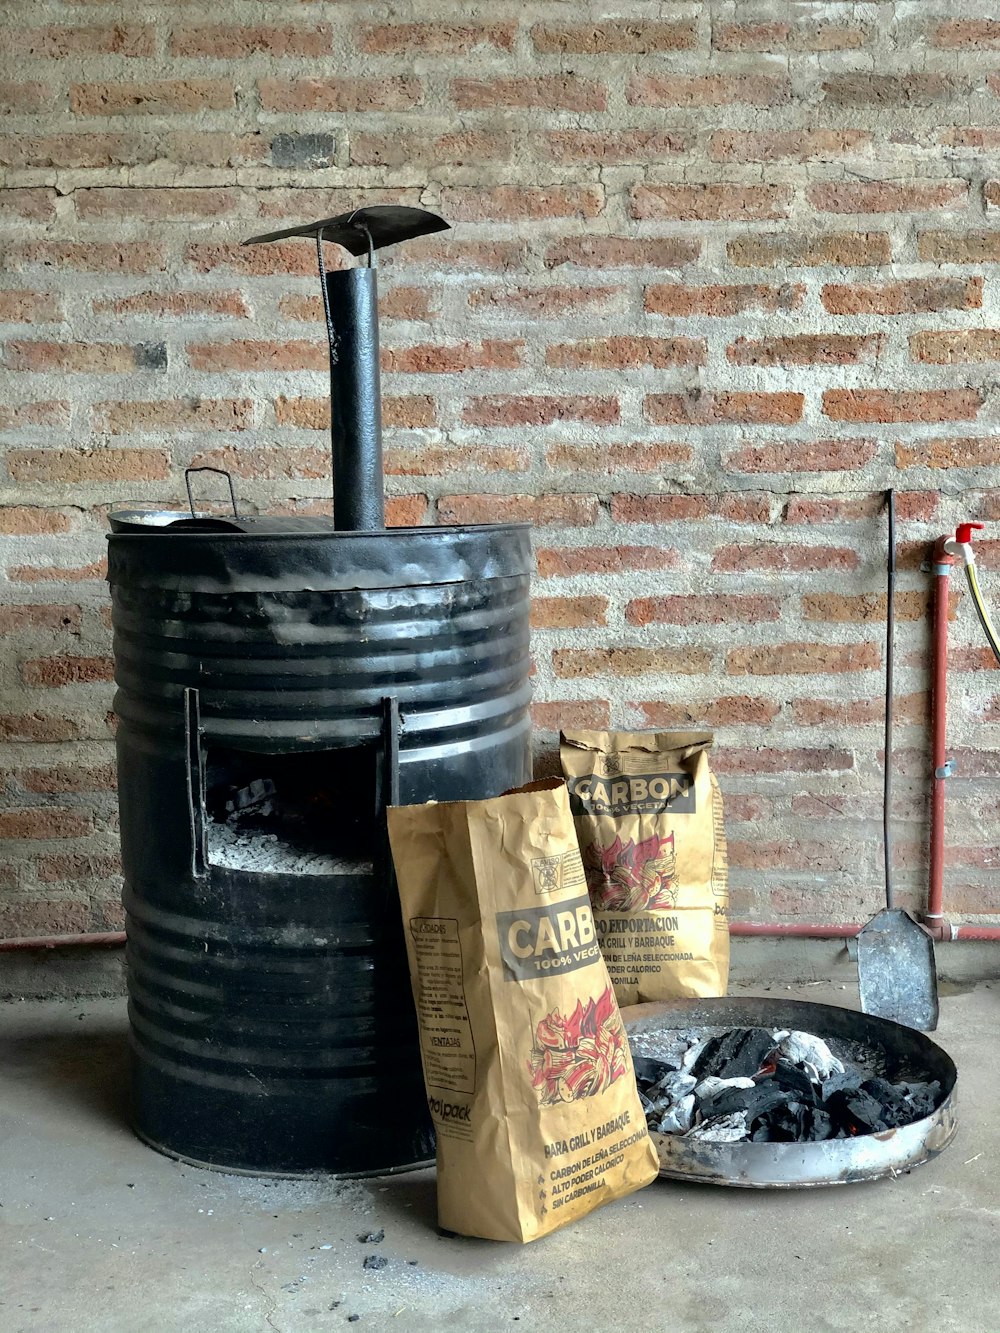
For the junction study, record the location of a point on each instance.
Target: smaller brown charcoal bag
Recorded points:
(527, 1066)
(649, 818)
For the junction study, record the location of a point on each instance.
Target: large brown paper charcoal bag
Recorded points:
(649, 817)
(528, 1070)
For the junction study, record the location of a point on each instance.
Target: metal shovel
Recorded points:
(897, 975)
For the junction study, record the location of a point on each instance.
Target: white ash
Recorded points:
(731, 1128)
(802, 1048)
(240, 849)
(713, 1084)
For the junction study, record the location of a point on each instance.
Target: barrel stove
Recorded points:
(280, 682)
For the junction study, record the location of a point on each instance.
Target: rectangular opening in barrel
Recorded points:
(311, 813)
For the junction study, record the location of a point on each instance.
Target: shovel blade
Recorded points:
(897, 975)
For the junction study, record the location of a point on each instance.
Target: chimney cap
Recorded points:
(386, 224)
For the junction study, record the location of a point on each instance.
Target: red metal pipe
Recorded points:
(800, 929)
(110, 939)
(943, 563)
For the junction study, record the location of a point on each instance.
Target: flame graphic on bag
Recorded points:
(581, 1055)
(631, 876)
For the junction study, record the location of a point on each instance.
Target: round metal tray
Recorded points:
(801, 1165)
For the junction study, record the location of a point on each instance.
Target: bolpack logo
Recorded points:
(547, 941)
(633, 793)
(449, 1110)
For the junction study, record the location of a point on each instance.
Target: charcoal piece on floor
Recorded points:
(738, 1053)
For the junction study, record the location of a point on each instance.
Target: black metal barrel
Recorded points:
(272, 1025)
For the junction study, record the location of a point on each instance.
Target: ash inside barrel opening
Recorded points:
(294, 814)
(769, 1085)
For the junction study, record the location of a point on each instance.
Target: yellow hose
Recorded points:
(984, 616)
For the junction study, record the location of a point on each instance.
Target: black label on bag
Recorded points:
(632, 793)
(547, 941)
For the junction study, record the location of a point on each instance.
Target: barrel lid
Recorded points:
(283, 554)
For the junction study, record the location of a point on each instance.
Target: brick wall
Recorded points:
(720, 273)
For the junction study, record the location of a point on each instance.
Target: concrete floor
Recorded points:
(97, 1232)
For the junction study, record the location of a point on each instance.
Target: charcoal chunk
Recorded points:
(738, 1053)
(756, 1101)
(795, 1080)
(649, 1071)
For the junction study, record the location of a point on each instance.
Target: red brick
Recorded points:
(701, 609)
(53, 672)
(626, 352)
(910, 708)
(44, 821)
(539, 410)
(261, 464)
(182, 305)
(593, 714)
(31, 520)
(902, 404)
(568, 612)
(432, 358)
(19, 617)
(22, 97)
(734, 710)
(620, 37)
(542, 510)
(959, 247)
(556, 562)
(910, 296)
(864, 608)
(395, 92)
(784, 558)
(57, 41)
(919, 506)
(986, 137)
(174, 414)
(28, 205)
(88, 256)
(973, 451)
(84, 358)
(406, 511)
(803, 456)
(69, 778)
(407, 150)
(510, 203)
(27, 307)
(152, 204)
(76, 150)
(975, 33)
(247, 354)
(440, 462)
(612, 147)
(164, 97)
(805, 349)
(787, 145)
(76, 865)
(459, 256)
(623, 252)
(50, 412)
(887, 196)
(789, 37)
(35, 918)
(891, 92)
(572, 663)
(410, 39)
(550, 92)
(37, 727)
(796, 659)
(222, 42)
(740, 507)
(79, 465)
(614, 459)
(707, 409)
(949, 346)
(707, 90)
(409, 412)
(677, 300)
(93, 573)
(546, 302)
(723, 202)
(403, 303)
(793, 249)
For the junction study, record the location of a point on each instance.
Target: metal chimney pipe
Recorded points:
(351, 299)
